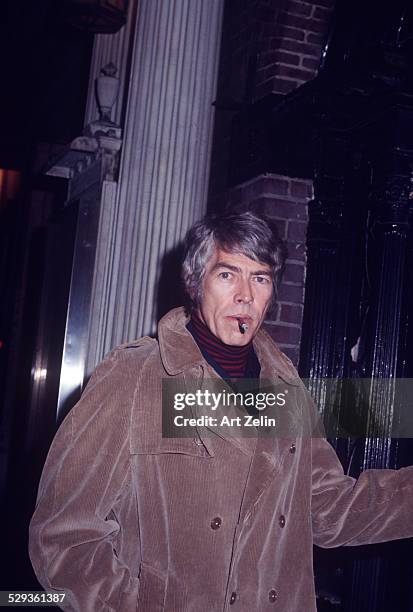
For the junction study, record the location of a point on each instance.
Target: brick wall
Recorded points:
(291, 53)
(269, 47)
(285, 200)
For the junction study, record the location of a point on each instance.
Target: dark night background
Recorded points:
(45, 69)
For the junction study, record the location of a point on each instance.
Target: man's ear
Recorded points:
(191, 302)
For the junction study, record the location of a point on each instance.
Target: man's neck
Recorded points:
(228, 361)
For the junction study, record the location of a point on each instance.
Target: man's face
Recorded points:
(234, 286)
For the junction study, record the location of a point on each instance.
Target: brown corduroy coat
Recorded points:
(129, 520)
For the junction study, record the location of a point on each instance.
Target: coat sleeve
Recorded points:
(85, 501)
(376, 507)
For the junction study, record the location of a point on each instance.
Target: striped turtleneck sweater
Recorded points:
(228, 361)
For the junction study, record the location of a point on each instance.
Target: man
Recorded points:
(130, 519)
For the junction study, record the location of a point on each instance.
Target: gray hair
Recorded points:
(246, 233)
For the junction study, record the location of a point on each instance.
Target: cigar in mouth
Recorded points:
(242, 325)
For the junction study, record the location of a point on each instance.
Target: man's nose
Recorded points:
(244, 294)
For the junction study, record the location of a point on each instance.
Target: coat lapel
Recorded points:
(181, 357)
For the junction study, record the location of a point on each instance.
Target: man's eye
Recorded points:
(262, 280)
(225, 275)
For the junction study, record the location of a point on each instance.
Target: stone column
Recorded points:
(163, 178)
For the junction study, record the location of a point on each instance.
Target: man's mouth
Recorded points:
(244, 322)
(242, 326)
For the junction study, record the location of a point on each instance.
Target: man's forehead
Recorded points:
(222, 257)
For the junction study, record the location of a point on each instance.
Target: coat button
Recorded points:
(216, 522)
(292, 448)
(281, 521)
(273, 595)
(232, 598)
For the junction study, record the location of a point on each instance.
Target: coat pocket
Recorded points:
(152, 589)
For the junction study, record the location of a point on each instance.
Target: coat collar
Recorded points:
(178, 349)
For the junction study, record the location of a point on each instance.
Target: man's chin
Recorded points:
(236, 339)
